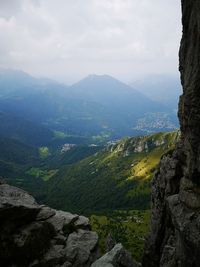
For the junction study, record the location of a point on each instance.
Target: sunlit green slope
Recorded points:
(117, 177)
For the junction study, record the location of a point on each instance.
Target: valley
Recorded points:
(116, 177)
(88, 178)
(128, 227)
(91, 148)
(98, 107)
(110, 183)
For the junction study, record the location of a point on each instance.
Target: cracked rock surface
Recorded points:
(174, 239)
(36, 235)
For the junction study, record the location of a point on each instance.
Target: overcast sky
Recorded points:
(69, 39)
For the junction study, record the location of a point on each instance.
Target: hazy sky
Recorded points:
(69, 39)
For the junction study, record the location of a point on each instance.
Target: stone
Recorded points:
(66, 264)
(59, 239)
(117, 257)
(45, 213)
(35, 235)
(13, 196)
(82, 223)
(55, 255)
(63, 220)
(81, 248)
(110, 242)
(189, 193)
(15, 203)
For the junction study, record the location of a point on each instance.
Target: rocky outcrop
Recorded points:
(145, 143)
(36, 236)
(33, 235)
(174, 239)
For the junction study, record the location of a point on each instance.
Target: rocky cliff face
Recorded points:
(174, 240)
(33, 235)
(38, 236)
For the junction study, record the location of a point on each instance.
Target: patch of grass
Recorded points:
(145, 165)
(60, 135)
(101, 138)
(127, 227)
(45, 175)
(44, 152)
(117, 177)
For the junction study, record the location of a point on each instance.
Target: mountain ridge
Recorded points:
(118, 177)
(96, 105)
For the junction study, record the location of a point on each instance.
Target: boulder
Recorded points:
(82, 223)
(16, 204)
(35, 235)
(82, 248)
(117, 257)
(45, 213)
(62, 221)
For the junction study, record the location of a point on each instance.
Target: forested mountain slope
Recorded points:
(117, 177)
(98, 105)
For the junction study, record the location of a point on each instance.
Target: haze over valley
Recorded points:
(91, 147)
(97, 107)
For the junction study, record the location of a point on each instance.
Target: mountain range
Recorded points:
(88, 178)
(66, 145)
(97, 107)
(115, 178)
(162, 88)
(51, 133)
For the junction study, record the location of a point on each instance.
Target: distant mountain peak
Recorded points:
(97, 82)
(98, 78)
(15, 72)
(95, 76)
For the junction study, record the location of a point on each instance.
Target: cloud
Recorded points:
(9, 8)
(69, 39)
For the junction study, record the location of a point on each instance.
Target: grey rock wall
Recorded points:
(174, 239)
(38, 236)
(33, 235)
